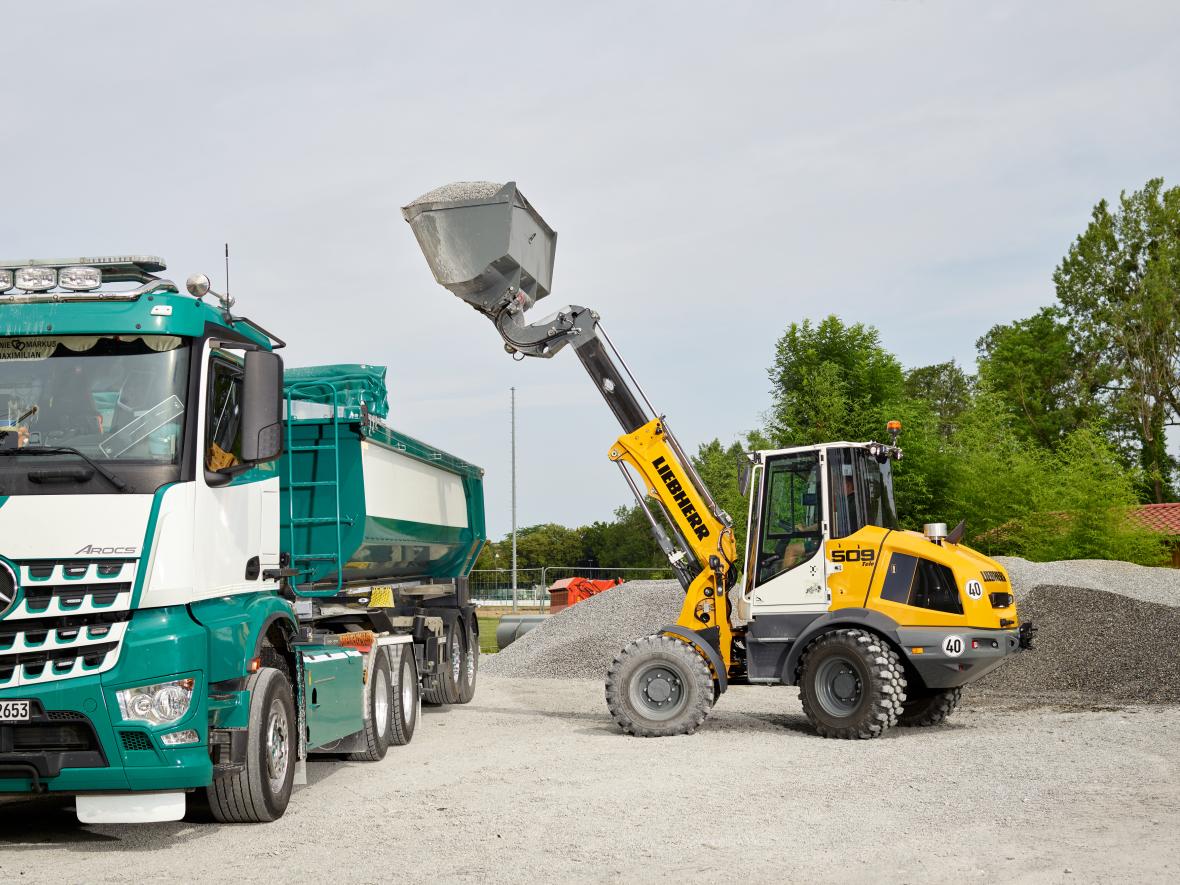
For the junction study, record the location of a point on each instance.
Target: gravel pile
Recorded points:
(459, 190)
(581, 641)
(1158, 585)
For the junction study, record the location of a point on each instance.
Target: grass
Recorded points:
(489, 618)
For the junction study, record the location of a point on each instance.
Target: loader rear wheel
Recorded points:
(851, 685)
(929, 706)
(659, 686)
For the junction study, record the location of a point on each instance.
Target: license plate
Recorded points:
(14, 711)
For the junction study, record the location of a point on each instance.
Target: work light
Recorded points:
(36, 279)
(79, 279)
(6, 281)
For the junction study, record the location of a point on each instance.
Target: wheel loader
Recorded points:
(877, 626)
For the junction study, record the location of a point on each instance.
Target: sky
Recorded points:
(715, 172)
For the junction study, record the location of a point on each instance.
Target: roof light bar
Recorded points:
(114, 268)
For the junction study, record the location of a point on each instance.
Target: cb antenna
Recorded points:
(227, 270)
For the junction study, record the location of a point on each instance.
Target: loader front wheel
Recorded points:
(851, 685)
(659, 686)
(929, 706)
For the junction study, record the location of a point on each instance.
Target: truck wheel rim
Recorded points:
(838, 687)
(381, 703)
(657, 691)
(470, 658)
(456, 661)
(408, 707)
(276, 745)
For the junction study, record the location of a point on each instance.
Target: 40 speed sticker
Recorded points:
(974, 589)
(952, 646)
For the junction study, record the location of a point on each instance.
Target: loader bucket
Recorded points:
(484, 241)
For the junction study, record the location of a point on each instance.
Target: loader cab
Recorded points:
(800, 498)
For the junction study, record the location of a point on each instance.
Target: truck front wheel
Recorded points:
(261, 790)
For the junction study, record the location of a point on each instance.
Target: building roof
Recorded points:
(1162, 518)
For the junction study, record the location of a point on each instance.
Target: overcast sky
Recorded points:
(715, 172)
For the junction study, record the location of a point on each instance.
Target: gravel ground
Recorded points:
(582, 640)
(532, 782)
(459, 190)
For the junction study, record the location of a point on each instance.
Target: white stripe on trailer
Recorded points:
(400, 487)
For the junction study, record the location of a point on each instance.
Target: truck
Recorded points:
(211, 568)
(876, 625)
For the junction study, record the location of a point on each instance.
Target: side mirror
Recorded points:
(262, 407)
(744, 478)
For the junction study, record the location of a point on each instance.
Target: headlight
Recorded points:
(6, 281)
(156, 704)
(79, 279)
(36, 279)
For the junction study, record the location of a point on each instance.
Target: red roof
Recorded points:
(1162, 518)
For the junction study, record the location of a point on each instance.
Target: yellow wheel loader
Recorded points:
(877, 626)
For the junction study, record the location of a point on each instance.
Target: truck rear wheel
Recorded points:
(659, 686)
(851, 684)
(407, 698)
(446, 687)
(261, 790)
(469, 669)
(379, 721)
(928, 706)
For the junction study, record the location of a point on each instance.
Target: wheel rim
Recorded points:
(838, 686)
(456, 659)
(470, 656)
(381, 702)
(658, 691)
(277, 745)
(408, 706)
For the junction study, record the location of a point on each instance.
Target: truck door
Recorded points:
(236, 516)
(788, 569)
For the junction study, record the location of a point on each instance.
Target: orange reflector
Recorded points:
(358, 639)
(918, 650)
(254, 665)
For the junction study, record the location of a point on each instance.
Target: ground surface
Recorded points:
(531, 782)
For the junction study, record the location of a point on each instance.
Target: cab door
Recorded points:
(785, 574)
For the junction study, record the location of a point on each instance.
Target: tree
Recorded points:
(719, 467)
(830, 381)
(1038, 376)
(945, 387)
(1119, 286)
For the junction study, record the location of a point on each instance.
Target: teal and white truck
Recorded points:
(209, 569)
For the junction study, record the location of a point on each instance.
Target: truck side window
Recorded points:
(223, 445)
(791, 514)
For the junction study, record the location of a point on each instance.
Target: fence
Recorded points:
(494, 586)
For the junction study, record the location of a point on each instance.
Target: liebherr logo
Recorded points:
(680, 496)
(91, 550)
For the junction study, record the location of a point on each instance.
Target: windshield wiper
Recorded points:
(115, 480)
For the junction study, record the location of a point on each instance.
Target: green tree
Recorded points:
(1119, 286)
(1040, 379)
(945, 387)
(719, 467)
(830, 381)
(1080, 507)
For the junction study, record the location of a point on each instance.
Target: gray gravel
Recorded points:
(532, 782)
(582, 640)
(1158, 585)
(459, 190)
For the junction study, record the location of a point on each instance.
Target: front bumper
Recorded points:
(160, 645)
(949, 657)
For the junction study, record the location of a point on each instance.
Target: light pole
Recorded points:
(513, 500)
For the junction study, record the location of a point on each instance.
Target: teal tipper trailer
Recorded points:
(363, 503)
(211, 570)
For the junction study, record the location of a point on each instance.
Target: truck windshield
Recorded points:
(111, 397)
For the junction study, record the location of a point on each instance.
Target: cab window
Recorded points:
(223, 447)
(861, 491)
(791, 514)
